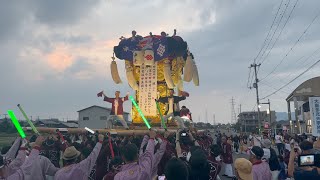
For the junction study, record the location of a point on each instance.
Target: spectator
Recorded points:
(279, 142)
(74, 170)
(137, 168)
(115, 167)
(282, 173)
(35, 167)
(260, 169)
(214, 161)
(176, 169)
(199, 164)
(236, 141)
(266, 145)
(302, 173)
(243, 169)
(8, 168)
(227, 158)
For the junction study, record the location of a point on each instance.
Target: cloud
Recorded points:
(63, 49)
(59, 59)
(62, 12)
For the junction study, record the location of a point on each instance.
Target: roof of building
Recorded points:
(305, 90)
(56, 123)
(48, 121)
(109, 109)
(71, 124)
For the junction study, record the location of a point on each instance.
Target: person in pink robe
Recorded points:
(78, 171)
(8, 169)
(35, 167)
(135, 167)
(158, 154)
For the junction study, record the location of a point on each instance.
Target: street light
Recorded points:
(268, 111)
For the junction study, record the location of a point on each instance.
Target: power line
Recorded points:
(280, 31)
(302, 63)
(265, 40)
(285, 10)
(270, 86)
(291, 80)
(276, 67)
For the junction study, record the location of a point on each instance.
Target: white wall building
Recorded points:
(95, 117)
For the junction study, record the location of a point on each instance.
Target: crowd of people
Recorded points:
(187, 154)
(272, 157)
(181, 155)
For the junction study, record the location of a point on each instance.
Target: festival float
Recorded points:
(154, 64)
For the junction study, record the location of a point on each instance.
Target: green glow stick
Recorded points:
(161, 117)
(28, 120)
(16, 124)
(140, 112)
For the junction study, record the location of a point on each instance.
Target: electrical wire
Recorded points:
(280, 32)
(284, 12)
(265, 40)
(302, 64)
(291, 80)
(304, 32)
(270, 86)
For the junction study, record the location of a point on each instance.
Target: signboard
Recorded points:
(314, 103)
(148, 89)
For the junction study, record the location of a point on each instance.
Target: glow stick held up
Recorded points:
(90, 130)
(16, 124)
(160, 114)
(28, 120)
(140, 112)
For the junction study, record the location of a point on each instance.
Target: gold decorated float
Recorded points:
(153, 65)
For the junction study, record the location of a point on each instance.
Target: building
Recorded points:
(95, 117)
(300, 100)
(54, 123)
(249, 120)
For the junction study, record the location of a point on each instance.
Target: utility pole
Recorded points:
(255, 85)
(214, 119)
(233, 113)
(207, 116)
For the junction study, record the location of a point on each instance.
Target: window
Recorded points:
(85, 118)
(103, 117)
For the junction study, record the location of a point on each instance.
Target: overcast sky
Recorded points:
(55, 55)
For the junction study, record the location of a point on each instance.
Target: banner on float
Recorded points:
(148, 89)
(314, 103)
